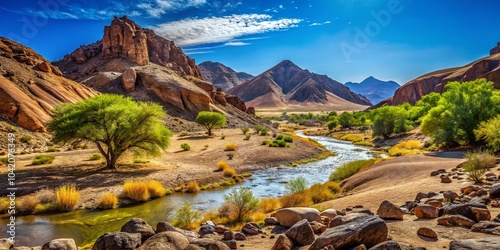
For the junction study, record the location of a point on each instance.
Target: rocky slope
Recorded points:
(487, 67)
(30, 86)
(222, 76)
(373, 89)
(134, 61)
(286, 84)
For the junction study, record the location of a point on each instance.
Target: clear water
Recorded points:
(86, 226)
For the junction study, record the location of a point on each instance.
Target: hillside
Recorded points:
(287, 85)
(374, 89)
(222, 76)
(487, 67)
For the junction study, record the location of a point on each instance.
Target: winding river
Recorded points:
(85, 226)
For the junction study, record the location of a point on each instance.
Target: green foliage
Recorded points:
(25, 139)
(247, 137)
(263, 131)
(95, 157)
(279, 137)
(333, 123)
(390, 119)
(422, 107)
(349, 169)
(211, 120)
(115, 123)
(461, 108)
(230, 156)
(296, 185)
(52, 149)
(245, 130)
(288, 139)
(478, 163)
(43, 159)
(241, 202)
(185, 216)
(266, 142)
(489, 131)
(185, 146)
(346, 120)
(258, 128)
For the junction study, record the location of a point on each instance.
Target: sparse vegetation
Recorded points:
(137, 191)
(229, 171)
(221, 165)
(263, 131)
(269, 204)
(184, 133)
(410, 147)
(300, 199)
(230, 156)
(241, 203)
(95, 157)
(247, 137)
(52, 149)
(45, 195)
(193, 187)
(245, 130)
(26, 204)
(230, 147)
(478, 163)
(4, 204)
(155, 189)
(296, 185)
(67, 197)
(43, 159)
(349, 169)
(185, 216)
(211, 120)
(223, 136)
(25, 139)
(108, 201)
(185, 146)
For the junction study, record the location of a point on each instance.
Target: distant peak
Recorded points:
(371, 78)
(287, 63)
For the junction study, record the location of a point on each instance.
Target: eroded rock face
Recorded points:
(128, 80)
(476, 244)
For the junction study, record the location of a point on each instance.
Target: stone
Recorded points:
(434, 203)
(232, 244)
(387, 210)
(488, 227)
(251, 228)
(301, 233)
(282, 243)
(495, 191)
(165, 226)
(251, 110)
(438, 172)
(128, 79)
(60, 244)
(476, 244)
(359, 247)
(271, 221)
(386, 245)
(6, 243)
(317, 227)
(211, 244)
(118, 241)
(228, 235)
(168, 240)
(425, 211)
(240, 236)
(462, 209)
(362, 210)
(220, 229)
(445, 179)
(236, 102)
(289, 216)
(420, 196)
(468, 189)
(137, 225)
(367, 229)
(427, 232)
(480, 214)
(330, 213)
(455, 220)
(450, 196)
(497, 218)
(45, 67)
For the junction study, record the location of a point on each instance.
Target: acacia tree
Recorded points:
(210, 120)
(115, 124)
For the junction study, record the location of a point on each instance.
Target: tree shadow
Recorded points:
(450, 155)
(428, 239)
(194, 138)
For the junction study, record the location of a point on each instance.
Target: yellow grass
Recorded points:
(257, 216)
(221, 165)
(269, 204)
(67, 197)
(137, 191)
(108, 201)
(26, 204)
(410, 147)
(193, 187)
(229, 171)
(230, 147)
(4, 204)
(353, 137)
(156, 189)
(300, 199)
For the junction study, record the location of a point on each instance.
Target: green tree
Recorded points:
(115, 124)
(332, 123)
(346, 120)
(390, 119)
(461, 108)
(185, 216)
(210, 120)
(241, 202)
(489, 131)
(422, 107)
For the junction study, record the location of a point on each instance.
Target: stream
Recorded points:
(85, 226)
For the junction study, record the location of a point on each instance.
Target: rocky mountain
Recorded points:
(134, 61)
(222, 76)
(487, 67)
(30, 87)
(373, 89)
(287, 84)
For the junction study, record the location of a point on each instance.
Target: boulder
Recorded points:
(165, 226)
(480, 213)
(438, 172)
(476, 244)
(301, 233)
(495, 191)
(137, 225)
(420, 196)
(487, 227)
(6, 243)
(210, 244)
(368, 230)
(228, 235)
(282, 243)
(207, 227)
(232, 244)
(128, 79)
(45, 67)
(450, 196)
(60, 244)
(497, 218)
(445, 178)
(342, 219)
(455, 220)
(387, 210)
(220, 229)
(239, 236)
(168, 240)
(330, 213)
(427, 232)
(251, 228)
(289, 216)
(424, 211)
(386, 245)
(271, 221)
(118, 241)
(462, 209)
(317, 227)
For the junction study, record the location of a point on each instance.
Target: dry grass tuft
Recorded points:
(192, 187)
(410, 147)
(300, 199)
(229, 171)
(269, 204)
(156, 189)
(230, 147)
(26, 204)
(67, 197)
(108, 201)
(45, 195)
(137, 191)
(221, 165)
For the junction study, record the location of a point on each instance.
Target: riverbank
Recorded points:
(174, 168)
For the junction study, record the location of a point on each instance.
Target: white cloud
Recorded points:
(157, 8)
(220, 29)
(319, 24)
(233, 43)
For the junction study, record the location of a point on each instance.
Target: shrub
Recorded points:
(478, 163)
(108, 201)
(4, 160)
(363, 143)
(221, 165)
(245, 130)
(258, 128)
(288, 139)
(25, 139)
(266, 142)
(185, 216)
(247, 137)
(410, 147)
(241, 202)
(210, 120)
(43, 159)
(43, 208)
(193, 187)
(353, 137)
(156, 189)
(137, 191)
(52, 149)
(300, 199)
(323, 192)
(230, 147)
(263, 131)
(95, 157)
(229, 171)
(45, 195)
(230, 156)
(281, 143)
(279, 137)
(296, 185)
(184, 133)
(67, 197)
(223, 136)
(489, 131)
(205, 147)
(4, 204)
(141, 161)
(185, 146)
(269, 204)
(26, 204)
(349, 169)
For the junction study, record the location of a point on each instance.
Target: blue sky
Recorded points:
(347, 40)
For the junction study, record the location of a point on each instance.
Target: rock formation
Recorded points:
(222, 76)
(30, 86)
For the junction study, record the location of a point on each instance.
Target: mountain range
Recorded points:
(287, 85)
(222, 76)
(374, 89)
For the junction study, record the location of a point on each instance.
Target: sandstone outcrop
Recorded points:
(30, 86)
(289, 216)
